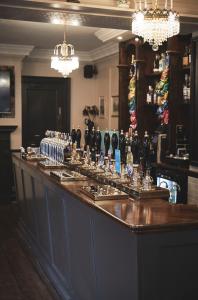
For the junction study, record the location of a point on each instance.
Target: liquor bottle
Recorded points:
(122, 145)
(154, 97)
(188, 86)
(98, 139)
(133, 66)
(106, 142)
(114, 142)
(162, 63)
(86, 137)
(73, 135)
(189, 55)
(186, 89)
(78, 137)
(156, 63)
(167, 60)
(185, 59)
(135, 148)
(149, 95)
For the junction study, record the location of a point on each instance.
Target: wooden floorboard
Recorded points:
(19, 277)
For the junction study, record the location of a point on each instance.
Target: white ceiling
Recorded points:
(46, 36)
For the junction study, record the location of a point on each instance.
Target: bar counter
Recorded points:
(109, 250)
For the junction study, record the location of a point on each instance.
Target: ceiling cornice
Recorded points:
(104, 51)
(105, 34)
(15, 50)
(84, 56)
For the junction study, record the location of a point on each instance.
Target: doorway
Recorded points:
(45, 105)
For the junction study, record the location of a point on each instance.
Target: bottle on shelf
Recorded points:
(156, 63)
(186, 89)
(189, 55)
(185, 59)
(149, 95)
(167, 60)
(133, 66)
(154, 97)
(162, 62)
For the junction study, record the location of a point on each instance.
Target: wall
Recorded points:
(107, 86)
(16, 135)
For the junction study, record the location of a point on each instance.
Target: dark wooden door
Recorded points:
(45, 105)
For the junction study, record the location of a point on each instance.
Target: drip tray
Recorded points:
(50, 164)
(103, 192)
(35, 157)
(67, 176)
(154, 192)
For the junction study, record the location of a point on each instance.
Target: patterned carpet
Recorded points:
(19, 276)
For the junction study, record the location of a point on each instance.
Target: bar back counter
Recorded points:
(107, 250)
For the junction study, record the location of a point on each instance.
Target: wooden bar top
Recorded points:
(140, 216)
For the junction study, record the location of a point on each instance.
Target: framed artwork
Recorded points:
(7, 92)
(114, 106)
(101, 107)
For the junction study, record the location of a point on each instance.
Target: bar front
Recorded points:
(107, 249)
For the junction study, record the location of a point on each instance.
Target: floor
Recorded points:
(20, 275)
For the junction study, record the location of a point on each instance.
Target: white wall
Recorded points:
(16, 135)
(107, 86)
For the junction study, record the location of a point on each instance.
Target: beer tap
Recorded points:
(114, 142)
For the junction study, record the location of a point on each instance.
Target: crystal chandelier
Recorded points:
(156, 24)
(64, 59)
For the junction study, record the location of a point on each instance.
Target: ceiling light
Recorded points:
(120, 38)
(64, 59)
(156, 24)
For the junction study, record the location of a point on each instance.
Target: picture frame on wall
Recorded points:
(7, 92)
(101, 107)
(114, 106)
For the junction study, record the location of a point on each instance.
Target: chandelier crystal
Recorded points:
(64, 59)
(156, 25)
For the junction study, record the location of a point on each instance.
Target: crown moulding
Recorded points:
(16, 50)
